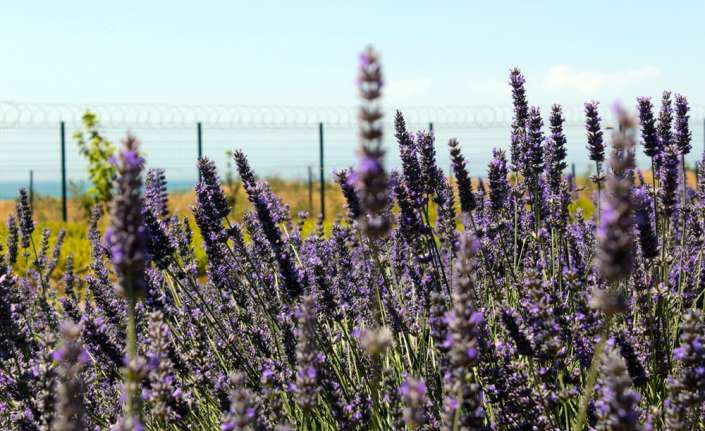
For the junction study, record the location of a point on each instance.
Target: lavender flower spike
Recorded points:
(521, 113)
(343, 177)
(595, 144)
(307, 359)
(642, 218)
(669, 180)
(699, 175)
(71, 359)
(533, 152)
(12, 240)
(499, 184)
(683, 133)
(413, 392)
(687, 386)
(243, 408)
(665, 121)
(126, 237)
(411, 167)
(467, 198)
(649, 135)
(618, 405)
(615, 235)
(466, 322)
(155, 192)
(127, 242)
(371, 176)
(24, 217)
(558, 151)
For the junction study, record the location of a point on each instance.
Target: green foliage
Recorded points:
(97, 150)
(232, 187)
(85, 201)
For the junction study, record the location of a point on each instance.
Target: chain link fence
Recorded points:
(281, 142)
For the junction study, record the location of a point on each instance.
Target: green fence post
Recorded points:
(199, 134)
(31, 188)
(310, 190)
(321, 164)
(64, 212)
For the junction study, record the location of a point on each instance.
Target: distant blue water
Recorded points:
(9, 189)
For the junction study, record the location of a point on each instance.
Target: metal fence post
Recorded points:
(199, 132)
(31, 188)
(572, 173)
(323, 179)
(310, 190)
(63, 172)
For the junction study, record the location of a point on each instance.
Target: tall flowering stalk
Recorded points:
(371, 176)
(556, 153)
(243, 414)
(669, 181)
(12, 241)
(72, 360)
(618, 404)
(642, 216)
(307, 356)
(155, 192)
(372, 181)
(126, 239)
(499, 185)
(595, 145)
(615, 259)
(683, 134)
(411, 166)
(464, 401)
(266, 206)
(533, 152)
(687, 385)
(344, 179)
(413, 392)
(24, 216)
(467, 198)
(521, 114)
(664, 124)
(615, 238)
(699, 179)
(651, 143)
(534, 161)
(668, 174)
(683, 138)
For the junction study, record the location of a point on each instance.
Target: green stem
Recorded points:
(599, 191)
(592, 376)
(653, 185)
(134, 405)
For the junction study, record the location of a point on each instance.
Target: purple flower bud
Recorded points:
(595, 145)
(127, 236)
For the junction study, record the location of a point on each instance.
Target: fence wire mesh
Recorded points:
(280, 141)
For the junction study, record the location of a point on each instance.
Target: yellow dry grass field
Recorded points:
(47, 214)
(295, 194)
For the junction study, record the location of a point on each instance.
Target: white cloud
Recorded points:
(562, 83)
(409, 90)
(482, 91)
(564, 78)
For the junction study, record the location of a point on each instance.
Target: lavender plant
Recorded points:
(519, 314)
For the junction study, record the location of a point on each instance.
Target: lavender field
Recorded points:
(434, 304)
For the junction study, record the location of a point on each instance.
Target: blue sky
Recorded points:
(305, 52)
(442, 53)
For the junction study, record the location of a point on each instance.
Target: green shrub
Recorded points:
(97, 150)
